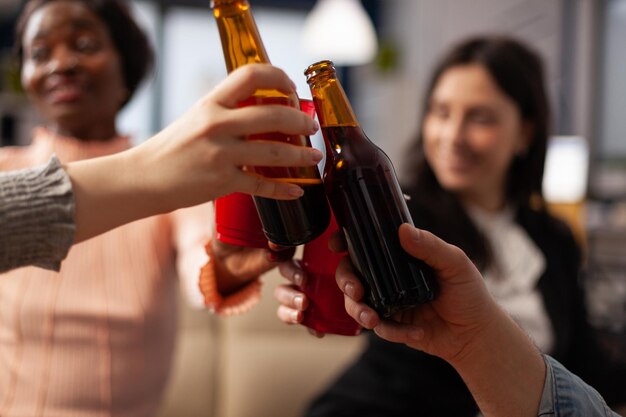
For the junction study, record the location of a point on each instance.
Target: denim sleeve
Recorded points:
(566, 395)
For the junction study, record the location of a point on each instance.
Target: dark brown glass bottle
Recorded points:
(286, 223)
(366, 199)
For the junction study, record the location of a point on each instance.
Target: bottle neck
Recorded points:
(331, 102)
(241, 41)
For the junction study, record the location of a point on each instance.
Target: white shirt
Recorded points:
(513, 276)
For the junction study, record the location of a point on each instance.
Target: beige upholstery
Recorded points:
(251, 365)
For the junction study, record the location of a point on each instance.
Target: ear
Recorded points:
(527, 132)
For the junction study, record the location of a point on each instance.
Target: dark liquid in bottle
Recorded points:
(370, 207)
(290, 222)
(294, 222)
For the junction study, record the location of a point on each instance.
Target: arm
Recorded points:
(196, 159)
(566, 394)
(503, 370)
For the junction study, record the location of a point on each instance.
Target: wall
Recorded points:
(612, 123)
(388, 104)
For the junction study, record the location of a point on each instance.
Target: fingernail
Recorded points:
(298, 300)
(364, 318)
(316, 155)
(297, 278)
(294, 316)
(349, 290)
(295, 191)
(315, 126)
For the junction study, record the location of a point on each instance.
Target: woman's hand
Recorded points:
(200, 156)
(236, 265)
(197, 158)
(293, 302)
(464, 326)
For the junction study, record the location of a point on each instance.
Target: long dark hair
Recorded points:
(518, 72)
(136, 54)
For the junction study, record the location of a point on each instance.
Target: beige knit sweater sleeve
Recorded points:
(36, 217)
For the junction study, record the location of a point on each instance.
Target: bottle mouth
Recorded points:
(318, 68)
(220, 2)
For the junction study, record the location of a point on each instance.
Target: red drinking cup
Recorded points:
(237, 221)
(326, 312)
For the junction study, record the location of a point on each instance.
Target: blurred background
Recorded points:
(582, 44)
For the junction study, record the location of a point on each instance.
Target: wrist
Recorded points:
(231, 303)
(222, 255)
(145, 183)
(480, 338)
(502, 368)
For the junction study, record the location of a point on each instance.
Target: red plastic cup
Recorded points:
(326, 312)
(236, 219)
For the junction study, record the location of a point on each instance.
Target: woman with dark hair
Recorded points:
(96, 338)
(517, 72)
(134, 54)
(475, 181)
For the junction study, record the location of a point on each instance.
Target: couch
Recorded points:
(251, 365)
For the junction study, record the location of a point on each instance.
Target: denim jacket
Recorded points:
(566, 395)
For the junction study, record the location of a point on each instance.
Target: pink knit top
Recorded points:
(96, 339)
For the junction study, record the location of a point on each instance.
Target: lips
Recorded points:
(64, 91)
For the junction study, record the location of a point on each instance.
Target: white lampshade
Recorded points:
(339, 30)
(566, 169)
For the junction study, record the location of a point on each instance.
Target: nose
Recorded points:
(62, 59)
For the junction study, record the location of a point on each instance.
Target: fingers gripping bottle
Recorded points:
(367, 202)
(287, 223)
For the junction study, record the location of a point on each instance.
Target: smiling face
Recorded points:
(472, 131)
(71, 70)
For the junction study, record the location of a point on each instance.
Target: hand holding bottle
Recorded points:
(195, 159)
(287, 223)
(237, 221)
(442, 327)
(463, 325)
(237, 265)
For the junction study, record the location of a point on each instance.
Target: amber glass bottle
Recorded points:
(287, 223)
(366, 199)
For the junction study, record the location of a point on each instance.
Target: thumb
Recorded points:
(442, 257)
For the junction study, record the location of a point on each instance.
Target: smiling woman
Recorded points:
(98, 336)
(476, 181)
(472, 133)
(75, 72)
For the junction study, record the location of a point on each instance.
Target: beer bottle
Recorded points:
(367, 202)
(287, 223)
